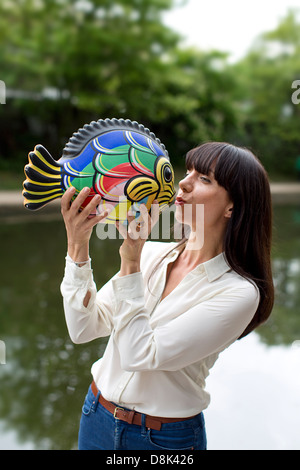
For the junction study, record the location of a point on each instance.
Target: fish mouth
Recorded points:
(173, 198)
(167, 198)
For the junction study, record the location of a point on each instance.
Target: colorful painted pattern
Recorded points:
(125, 165)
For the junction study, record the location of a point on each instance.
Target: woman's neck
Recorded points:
(199, 250)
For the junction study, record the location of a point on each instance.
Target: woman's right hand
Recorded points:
(79, 223)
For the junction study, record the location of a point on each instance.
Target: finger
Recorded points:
(131, 224)
(148, 221)
(80, 199)
(145, 224)
(90, 208)
(121, 229)
(144, 213)
(66, 199)
(94, 220)
(130, 216)
(141, 223)
(154, 213)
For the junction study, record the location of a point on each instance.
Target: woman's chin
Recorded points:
(179, 214)
(181, 217)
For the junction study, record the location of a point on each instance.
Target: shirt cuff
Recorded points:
(128, 287)
(78, 275)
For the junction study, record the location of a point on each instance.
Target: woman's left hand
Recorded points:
(135, 236)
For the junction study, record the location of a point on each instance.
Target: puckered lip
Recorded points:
(179, 201)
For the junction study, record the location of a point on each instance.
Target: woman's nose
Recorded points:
(186, 184)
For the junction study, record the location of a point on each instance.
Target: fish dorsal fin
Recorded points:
(90, 131)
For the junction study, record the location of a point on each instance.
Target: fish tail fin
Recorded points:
(43, 179)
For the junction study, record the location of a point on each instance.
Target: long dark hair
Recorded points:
(247, 242)
(248, 238)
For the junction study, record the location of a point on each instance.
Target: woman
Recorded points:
(172, 308)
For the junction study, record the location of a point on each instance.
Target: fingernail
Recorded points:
(71, 189)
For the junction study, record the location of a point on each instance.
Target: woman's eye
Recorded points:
(204, 179)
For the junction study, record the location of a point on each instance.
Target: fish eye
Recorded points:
(168, 174)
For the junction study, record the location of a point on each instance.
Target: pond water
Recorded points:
(255, 384)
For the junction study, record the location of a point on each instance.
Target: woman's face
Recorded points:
(201, 194)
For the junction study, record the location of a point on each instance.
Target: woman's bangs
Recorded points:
(204, 158)
(202, 162)
(220, 158)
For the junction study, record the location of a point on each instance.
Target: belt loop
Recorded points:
(143, 425)
(95, 402)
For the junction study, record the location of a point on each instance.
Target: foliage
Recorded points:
(67, 62)
(265, 76)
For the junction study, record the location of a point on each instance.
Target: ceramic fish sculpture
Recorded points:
(119, 159)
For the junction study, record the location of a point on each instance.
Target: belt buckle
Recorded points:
(116, 409)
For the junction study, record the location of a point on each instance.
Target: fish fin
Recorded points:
(43, 179)
(89, 132)
(139, 187)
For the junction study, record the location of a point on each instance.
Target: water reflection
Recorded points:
(255, 397)
(45, 378)
(284, 324)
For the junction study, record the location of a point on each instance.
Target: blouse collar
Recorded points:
(213, 268)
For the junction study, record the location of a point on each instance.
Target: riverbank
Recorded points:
(12, 209)
(285, 193)
(11, 203)
(281, 192)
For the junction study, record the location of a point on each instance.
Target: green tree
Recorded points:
(265, 75)
(67, 62)
(199, 100)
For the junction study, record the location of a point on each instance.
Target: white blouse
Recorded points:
(159, 351)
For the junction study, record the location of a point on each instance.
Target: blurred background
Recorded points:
(191, 72)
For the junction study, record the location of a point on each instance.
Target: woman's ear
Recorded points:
(228, 212)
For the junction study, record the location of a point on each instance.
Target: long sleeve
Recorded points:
(202, 330)
(159, 348)
(85, 323)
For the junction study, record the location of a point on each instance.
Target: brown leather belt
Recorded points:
(131, 416)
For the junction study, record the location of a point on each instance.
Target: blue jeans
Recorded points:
(99, 430)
